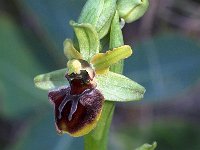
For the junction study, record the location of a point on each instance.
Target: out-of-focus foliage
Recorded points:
(41, 134)
(169, 135)
(54, 16)
(18, 68)
(20, 100)
(24, 106)
(166, 63)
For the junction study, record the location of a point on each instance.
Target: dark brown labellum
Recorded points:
(77, 107)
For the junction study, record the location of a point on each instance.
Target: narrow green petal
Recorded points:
(116, 87)
(69, 50)
(51, 80)
(87, 38)
(102, 61)
(148, 146)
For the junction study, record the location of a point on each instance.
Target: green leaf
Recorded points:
(99, 13)
(87, 38)
(18, 95)
(38, 127)
(69, 50)
(148, 146)
(116, 87)
(173, 46)
(131, 10)
(51, 80)
(102, 61)
(52, 16)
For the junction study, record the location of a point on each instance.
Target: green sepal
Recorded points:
(102, 61)
(131, 10)
(99, 13)
(69, 50)
(87, 38)
(51, 80)
(116, 87)
(148, 146)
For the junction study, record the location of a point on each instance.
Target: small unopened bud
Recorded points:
(131, 10)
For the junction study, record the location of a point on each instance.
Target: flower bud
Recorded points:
(131, 10)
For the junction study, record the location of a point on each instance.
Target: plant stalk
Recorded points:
(98, 138)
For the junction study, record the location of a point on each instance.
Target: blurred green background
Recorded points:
(166, 61)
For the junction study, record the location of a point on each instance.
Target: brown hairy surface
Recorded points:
(89, 106)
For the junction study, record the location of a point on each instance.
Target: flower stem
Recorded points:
(98, 138)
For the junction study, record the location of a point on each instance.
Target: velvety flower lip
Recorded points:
(86, 111)
(78, 106)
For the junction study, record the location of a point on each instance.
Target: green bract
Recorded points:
(98, 13)
(116, 40)
(116, 37)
